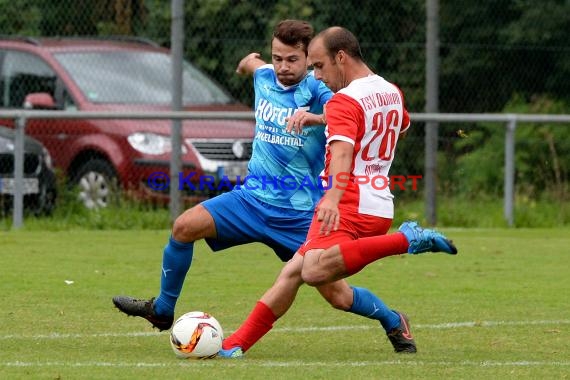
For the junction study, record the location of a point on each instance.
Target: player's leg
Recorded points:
(363, 302)
(342, 260)
(194, 224)
(224, 221)
(285, 230)
(324, 266)
(229, 217)
(360, 301)
(350, 256)
(279, 298)
(272, 305)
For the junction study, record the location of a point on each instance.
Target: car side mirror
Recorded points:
(39, 100)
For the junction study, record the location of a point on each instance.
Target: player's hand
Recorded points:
(243, 66)
(300, 119)
(297, 121)
(329, 216)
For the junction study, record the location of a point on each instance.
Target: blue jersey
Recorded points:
(285, 167)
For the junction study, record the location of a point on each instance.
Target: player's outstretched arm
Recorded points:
(249, 64)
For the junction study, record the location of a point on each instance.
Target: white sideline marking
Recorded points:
(253, 363)
(448, 325)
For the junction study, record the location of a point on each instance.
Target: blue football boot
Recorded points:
(425, 240)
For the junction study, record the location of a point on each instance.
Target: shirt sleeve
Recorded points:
(344, 119)
(263, 70)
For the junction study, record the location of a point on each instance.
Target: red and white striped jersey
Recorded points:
(369, 113)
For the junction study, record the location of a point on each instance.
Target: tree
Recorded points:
(20, 17)
(92, 18)
(494, 49)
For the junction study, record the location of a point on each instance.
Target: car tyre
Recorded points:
(96, 181)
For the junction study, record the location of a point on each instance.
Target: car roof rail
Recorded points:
(122, 38)
(28, 39)
(141, 40)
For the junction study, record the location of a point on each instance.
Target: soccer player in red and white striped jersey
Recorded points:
(349, 229)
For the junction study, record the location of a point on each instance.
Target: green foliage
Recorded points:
(542, 159)
(158, 18)
(489, 49)
(544, 28)
(70, 214)
(67, 18)
(494, 49)
(217, 39)
(486, 212)
(126, 216)
(479, 167)
(21, 17)
(456, 211)
(496, 56)
(542, 162)
(391, 35)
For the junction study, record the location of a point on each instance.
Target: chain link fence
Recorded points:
(112, 56)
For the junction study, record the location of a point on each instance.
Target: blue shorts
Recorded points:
(240, 218)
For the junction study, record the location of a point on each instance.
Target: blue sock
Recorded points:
(176, 261)
(370, 306)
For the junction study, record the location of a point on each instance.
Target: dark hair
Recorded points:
(337, 38)
(294, 33)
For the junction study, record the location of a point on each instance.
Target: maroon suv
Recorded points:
(120, 75)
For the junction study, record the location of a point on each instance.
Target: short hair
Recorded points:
(294, 33)
(337, 38)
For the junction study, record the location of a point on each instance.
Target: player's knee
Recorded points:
(312, 276)
(313, 273)
(182, 228)
(194, 224)
(179, 229)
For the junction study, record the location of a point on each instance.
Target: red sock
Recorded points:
(257, 324)
(361, 252)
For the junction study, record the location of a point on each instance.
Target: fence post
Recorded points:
(510, 170)
(432, 106)
(18, 207)
(177, 48)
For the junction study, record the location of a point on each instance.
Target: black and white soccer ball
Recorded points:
(196, 335)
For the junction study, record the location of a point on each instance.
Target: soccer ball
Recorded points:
(196, 335)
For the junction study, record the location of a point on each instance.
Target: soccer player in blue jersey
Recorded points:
(289, 143)
(287, 99)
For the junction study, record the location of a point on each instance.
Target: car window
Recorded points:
(68, 104)
(22, 74)
(137, 78)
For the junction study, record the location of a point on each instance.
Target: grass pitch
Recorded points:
(499, 309)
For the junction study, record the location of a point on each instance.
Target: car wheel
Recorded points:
(97, 183)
